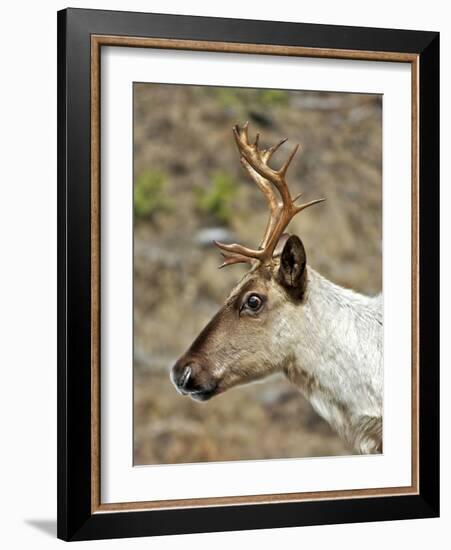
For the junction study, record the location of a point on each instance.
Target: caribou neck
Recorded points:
(336, 358)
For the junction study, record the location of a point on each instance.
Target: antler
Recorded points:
(255, 162)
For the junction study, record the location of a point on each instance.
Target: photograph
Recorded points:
(279, 353)
(248, 268)
(225, 276)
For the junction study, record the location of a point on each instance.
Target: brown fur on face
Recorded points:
(234, 348)
(228, 351)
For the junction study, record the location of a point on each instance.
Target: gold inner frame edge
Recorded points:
(97, 41)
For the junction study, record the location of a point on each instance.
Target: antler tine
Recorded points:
(241, 134)
(307, 204)
(230, 259)
(239, 250)
(257, 138)
(266, 154)
(287, 163)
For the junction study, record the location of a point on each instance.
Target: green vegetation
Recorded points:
(271, 98)
(216, 201)
(244, 100)
(150, 194)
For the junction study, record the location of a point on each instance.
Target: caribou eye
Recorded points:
(253, 303)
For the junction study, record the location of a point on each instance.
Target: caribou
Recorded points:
(284, 317)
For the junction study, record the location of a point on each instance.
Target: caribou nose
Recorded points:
(184, 377)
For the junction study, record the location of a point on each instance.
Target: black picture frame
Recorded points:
(76, 520)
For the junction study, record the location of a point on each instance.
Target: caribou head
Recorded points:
(251, 336)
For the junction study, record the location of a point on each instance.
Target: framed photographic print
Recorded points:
(299, 384)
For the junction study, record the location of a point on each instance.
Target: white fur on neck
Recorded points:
(334, 341)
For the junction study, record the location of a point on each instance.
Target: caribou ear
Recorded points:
(280, 245)
(292, 271)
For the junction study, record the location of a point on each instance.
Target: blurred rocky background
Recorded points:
(189, 189)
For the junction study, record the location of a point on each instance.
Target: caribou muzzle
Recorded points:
(192, 378)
